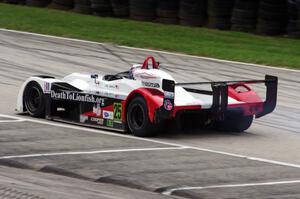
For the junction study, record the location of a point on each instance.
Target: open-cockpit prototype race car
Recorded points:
(143, 99)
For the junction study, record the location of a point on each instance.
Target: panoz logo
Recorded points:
(108, 115)
(168, 105)
(79, 97)
(150, 84)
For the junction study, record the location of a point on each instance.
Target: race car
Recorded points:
(144, 99)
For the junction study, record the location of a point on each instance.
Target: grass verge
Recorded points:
(274, 51)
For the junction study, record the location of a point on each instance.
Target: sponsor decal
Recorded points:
(150, 84)
(110, 94)
(97, 110)
(108, 115)
(168, 105)
(110, 123)
(79, 97)
(83, 118)
(169, 95)
(97, 120)
(112, 86)
(47, 87)
(118, 111)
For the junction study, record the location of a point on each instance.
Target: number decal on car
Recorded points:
(118, 111)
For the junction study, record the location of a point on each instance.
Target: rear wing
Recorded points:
(220, 93)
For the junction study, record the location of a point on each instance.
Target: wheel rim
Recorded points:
(34, 99)
(137, 116)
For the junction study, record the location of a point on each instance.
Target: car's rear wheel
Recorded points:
(34, 100)
(234, 122)
(138, 120)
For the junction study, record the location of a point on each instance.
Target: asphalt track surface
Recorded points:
(264, 162)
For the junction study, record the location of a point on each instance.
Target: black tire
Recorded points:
(295, 35)
(192, 22)
(37, 3)
(143, 10)
(167, 13)
(82, 2)
(244, 14)
(234, 122)
(83, 9)
(292, 10)
(220, 23)
(167, 20)
(243, 28)
(121, 11)
(292, 26)
(34, 100)
(142, 18)
(138, 120)
(66, 3)
(58, 7)
(11, 1)
(246, 4)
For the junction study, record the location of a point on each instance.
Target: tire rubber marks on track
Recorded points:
(148, 50)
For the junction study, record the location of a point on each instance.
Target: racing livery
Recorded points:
(144, 99)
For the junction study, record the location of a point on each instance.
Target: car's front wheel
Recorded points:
(138, 120)
(34, 100)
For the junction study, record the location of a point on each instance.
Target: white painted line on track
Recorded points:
(150, 50)
(11, 121)
(170, 191)
(97, 131)
(91, 152)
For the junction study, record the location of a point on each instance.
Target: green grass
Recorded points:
(227, 45)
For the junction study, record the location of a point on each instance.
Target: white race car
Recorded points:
(143, 99)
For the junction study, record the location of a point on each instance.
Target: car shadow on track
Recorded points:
(170, 131)
(174, 133)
